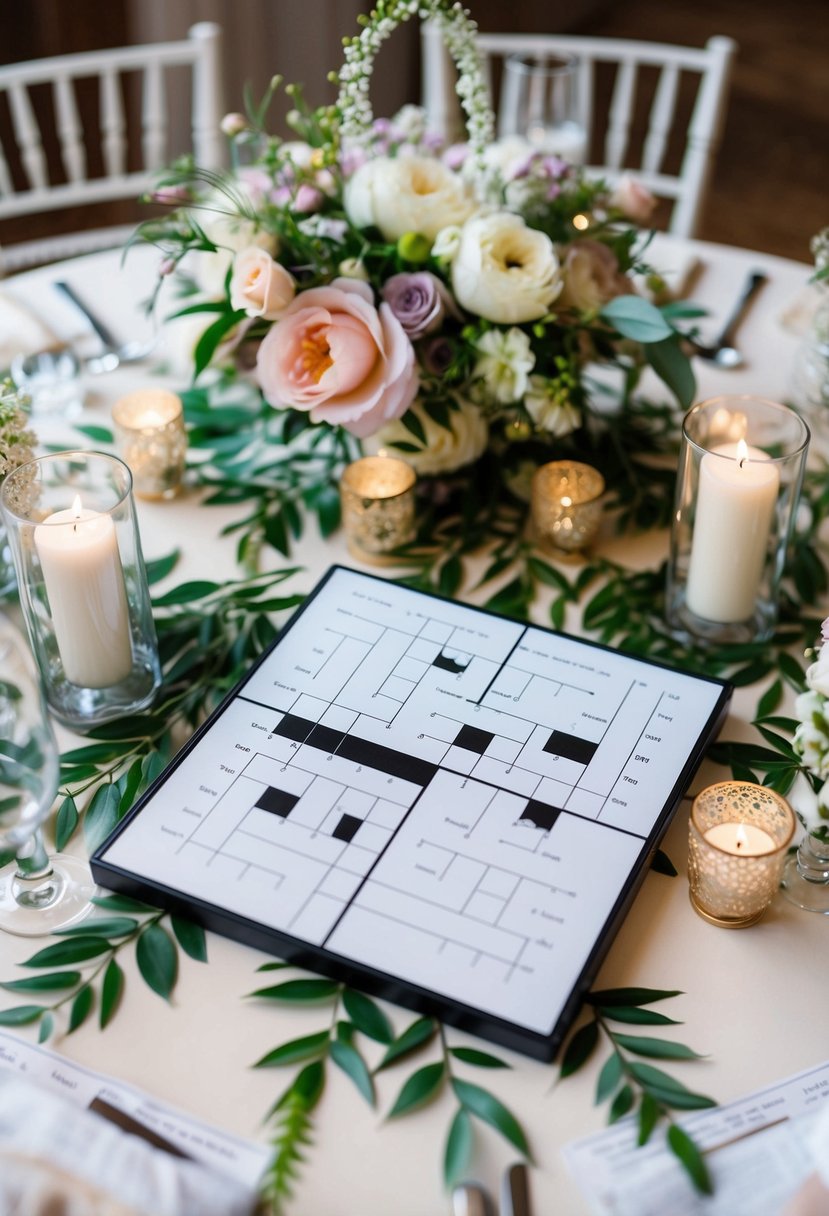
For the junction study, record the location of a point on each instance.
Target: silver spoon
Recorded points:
(114, 353)
(723, 352)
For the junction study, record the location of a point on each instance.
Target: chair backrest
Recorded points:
(54, 160)
(635, 105)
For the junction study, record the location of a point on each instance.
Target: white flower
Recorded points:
(260, 286)
(505, 271)
(504, 365)
(445, 450)
(549, 408)
(409, 194)
(447, 243)
(410, 121)
(230, 233)
(324, 226)
(817, 676)
(811, 739)
(353, 268)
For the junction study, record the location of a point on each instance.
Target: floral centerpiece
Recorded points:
(17, 446)
(376, 285)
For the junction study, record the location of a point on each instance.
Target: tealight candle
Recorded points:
(736, 497)
(739, 833)
(81, 565)
(378, 506)
(566, 504)
(150, 435)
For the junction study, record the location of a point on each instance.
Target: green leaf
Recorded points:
(414, 1036)
(609, 1077)
(630, 996)
(53, 981)
(348, 1058)
(648, 1118)
(636, 318)
(458, 1147)
(308, 1083)
(480, 1059)
(102, 816)
(75, 950)
(579, 1049)
(112, 926)
(22, 1015)
(621, 1104)
(47, 1025)
(190, 937)
(656, 1049)
(111, 990)
(211, 339)
(273, 967)
(491, 1110)
(414, 426)
(121, 903)
(635, 1015)
(65, 822)
(100, 434)
(160, 567)
(672, 365)
(300, 991)
(157, 960)
(95, 753)
(681, 1099)
(450, 576)
(770, 699)
(81, 1008)
(308, 1046)
(367, 1016)
(186, 593)
(662, 864)
(683, 1147)
(418, 1089)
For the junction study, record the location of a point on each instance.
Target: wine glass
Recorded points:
(541, 102)
(38, 893)
(806, 874)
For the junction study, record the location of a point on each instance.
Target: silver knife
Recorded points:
(469, 1199)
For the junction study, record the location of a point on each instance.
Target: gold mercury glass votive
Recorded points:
(566, 504)
(739, 833)
(378, 505)
(150, 438)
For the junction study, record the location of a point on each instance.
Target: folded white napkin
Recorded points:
(21, 332)
(59, 1160)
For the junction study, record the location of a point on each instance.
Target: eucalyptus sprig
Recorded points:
(352, 1013)
(88, 970)
(632, 1086)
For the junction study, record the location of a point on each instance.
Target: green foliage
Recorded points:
(629, 1085)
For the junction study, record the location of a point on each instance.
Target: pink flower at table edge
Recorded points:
(337, 357)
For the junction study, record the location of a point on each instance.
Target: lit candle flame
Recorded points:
(566, 501)
(741, 837)
(742, 453)
(77, 508)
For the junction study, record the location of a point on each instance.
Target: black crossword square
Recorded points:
(473, 739)
(346, 829)
(294, 727)
(277, 802)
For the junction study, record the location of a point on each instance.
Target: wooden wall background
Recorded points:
(771, 185)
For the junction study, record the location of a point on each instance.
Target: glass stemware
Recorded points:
(38, 893)
(806, 875)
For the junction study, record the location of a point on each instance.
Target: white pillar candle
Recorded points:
(736, 497)
(81, 565)
(741, 839)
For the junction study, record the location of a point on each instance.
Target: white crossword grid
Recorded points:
(445, 796)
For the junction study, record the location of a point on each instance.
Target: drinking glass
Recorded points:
(541, 101)
(38, 893)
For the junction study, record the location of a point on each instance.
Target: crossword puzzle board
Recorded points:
(445, 807)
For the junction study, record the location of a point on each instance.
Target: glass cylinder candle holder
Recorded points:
(738, 836)
(83, 587)
(150, 438)
(740, 470)
(377, 494)
(566, 506)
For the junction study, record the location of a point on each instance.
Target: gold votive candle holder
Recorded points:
(377, 494)
(565, 502)
(738, 836)
(151, 440)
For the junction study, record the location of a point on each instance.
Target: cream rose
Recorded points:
(591, 277)
(230, 233)
(260, 286)
(337, 357)
(407, 194)
(445, 450)
(505, 271)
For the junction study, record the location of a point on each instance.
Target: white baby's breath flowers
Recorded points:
(504, 365)
(550, 407)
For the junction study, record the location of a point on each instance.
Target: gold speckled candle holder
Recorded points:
(566, 504)
(378, 506)
(739, 833)
(151, 440)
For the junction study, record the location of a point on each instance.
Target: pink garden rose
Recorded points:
(333, 354)
(633, 199)
(591, 276)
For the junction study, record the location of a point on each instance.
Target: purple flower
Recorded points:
(419, 301)
(824, 630)
(308, 199)
(455, 156)
(438, 356)
(171, 195)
